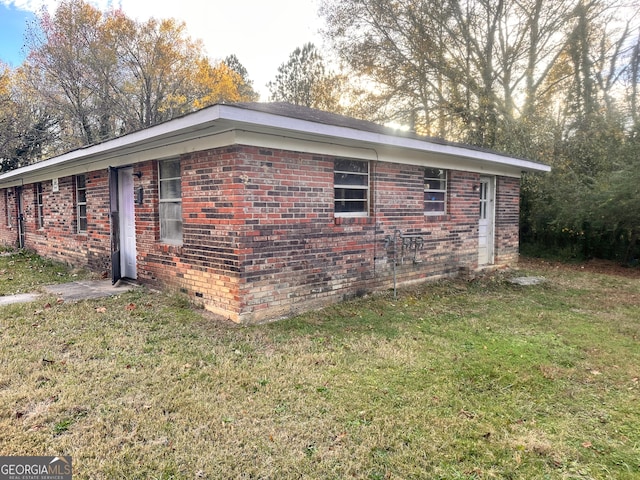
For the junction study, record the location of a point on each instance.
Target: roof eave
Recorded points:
(267, 122)
(307, 127)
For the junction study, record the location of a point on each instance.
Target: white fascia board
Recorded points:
(193, 131)
(308, 127)
(135, 142)
(171, 150)
(382, 153)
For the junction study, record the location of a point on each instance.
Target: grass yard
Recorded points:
(23, 272)
(455, 380)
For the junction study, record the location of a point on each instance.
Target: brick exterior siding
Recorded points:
(507, 220)
(260, 239)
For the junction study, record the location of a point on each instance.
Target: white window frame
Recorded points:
(40, 204)
(442, 180)
(366, 187)
(175, 200)
(81, 203)
(8, 207)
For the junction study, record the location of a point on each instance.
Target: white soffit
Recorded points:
(363, 138)
(213, 126)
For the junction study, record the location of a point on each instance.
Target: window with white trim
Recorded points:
(435, 191)
(169, 184)
(39, 205)
(7, 206)
(81, 203)
(351, 188)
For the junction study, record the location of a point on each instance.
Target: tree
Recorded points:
(102, 74)
(245, 88)
(555, 81)
(7, 112)
(59, 59)
(219, 84)
(158, 61)
(304, 80)
(455, 69)
(27, 129)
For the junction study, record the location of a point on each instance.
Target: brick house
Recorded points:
(258, 211)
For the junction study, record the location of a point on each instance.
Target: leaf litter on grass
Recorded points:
(456, 379)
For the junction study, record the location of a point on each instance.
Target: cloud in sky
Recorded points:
(261, 33)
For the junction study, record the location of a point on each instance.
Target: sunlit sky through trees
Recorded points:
(261, 33)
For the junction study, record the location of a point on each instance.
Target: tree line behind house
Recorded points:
(554, 81)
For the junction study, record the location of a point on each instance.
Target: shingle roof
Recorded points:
(300, 112)
(268, 120)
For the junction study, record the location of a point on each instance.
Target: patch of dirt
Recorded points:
(606, 267)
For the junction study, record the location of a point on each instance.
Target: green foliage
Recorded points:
(247, 92)
(92, 75)
(589, 205)
(304, 80)
(551, 81)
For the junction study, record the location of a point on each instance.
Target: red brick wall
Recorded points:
(260, 240)
(507, 219)
(206, 265)
(8, 229)
(59, 238)
(293, 254)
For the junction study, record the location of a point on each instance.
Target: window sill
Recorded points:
(354, 220)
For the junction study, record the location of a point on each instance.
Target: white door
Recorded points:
(127, 223)
(486, 223)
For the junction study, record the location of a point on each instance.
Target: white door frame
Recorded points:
(126, 208)
(486, 223)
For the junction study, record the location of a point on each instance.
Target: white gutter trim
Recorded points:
(198, 118)
(246, 116)
(305, 126)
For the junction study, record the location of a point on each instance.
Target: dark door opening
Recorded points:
(20, 218)
(115, 225)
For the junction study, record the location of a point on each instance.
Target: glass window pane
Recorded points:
(435, 187)
(349, 194)
(170, 169)
(351, 186)
(170, 189)
(351, 206)
(171, 230)
(434, 207)
(435, 173)
(81, 181)
(171, 221)
(434, 196)
(350, 179)
(433, 184)
(354, 166)
(171, 211)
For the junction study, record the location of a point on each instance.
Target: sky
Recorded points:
(261, 33)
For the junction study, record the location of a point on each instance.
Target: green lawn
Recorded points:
(23, 272)
(455, 380)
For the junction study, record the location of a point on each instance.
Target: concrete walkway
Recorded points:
(80, 290)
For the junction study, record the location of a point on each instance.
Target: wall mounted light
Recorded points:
(476, 188)
(138, 174)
